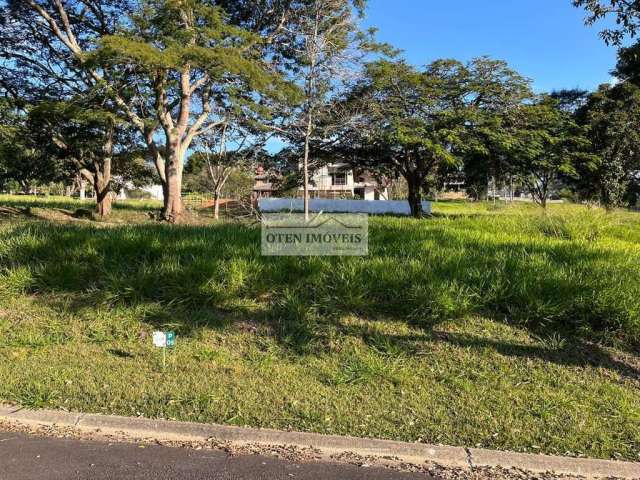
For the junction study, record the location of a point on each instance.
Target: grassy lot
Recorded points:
(486, 325)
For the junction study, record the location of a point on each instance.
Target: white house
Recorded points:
(339, 180)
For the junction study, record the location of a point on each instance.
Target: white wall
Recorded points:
(381, 207)
(369, 193)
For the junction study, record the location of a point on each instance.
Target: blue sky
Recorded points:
(545, 40)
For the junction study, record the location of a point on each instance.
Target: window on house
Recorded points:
(339, 178)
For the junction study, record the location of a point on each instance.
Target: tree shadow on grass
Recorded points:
(117, 352)
(418, 272)
(570, 351)
(574, 352)
(71, 204)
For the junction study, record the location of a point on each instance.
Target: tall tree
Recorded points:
(326, 43)
(497, 92)
(413, 122)
(548, 146)
(218, 156)
(626, 14)
(171, 68)
(198, 67)
(83, 140)
(611, 112)
(612, 116)
(41, 63)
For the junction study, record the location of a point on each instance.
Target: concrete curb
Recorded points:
(414, 453)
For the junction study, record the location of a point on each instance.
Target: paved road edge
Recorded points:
(415, 453)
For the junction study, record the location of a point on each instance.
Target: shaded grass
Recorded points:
(70, 203)
(545, 273)
(484, 326)
(65, 209)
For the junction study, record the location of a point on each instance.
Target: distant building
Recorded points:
(339, 180)
(263, 187)
(335, 180)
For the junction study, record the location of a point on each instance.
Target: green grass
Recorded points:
(70, 203)
(58, 208)
(486, 325)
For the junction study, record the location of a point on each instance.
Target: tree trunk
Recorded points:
(415, 197)
(102, 182)
(158, 161)
(310, 94)
(216, 205)
(305, 168)
(172, 211)
(102, 187)
(173, 200)
(543, 193)
(104, 199)
(543, 202)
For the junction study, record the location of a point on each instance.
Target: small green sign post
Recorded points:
(164, 340)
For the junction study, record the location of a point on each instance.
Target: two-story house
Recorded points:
(340, 180)
(336, 180)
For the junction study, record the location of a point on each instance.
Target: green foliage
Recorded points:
(416, 123)
(628, 66)
(548, 146)
(68, 131)
(626, 17)
(22, 158)
(159, 41)
(612, 115)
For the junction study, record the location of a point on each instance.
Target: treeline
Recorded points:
(115, 92)
(481, 122)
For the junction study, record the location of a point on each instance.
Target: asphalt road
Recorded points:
(25, 457)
